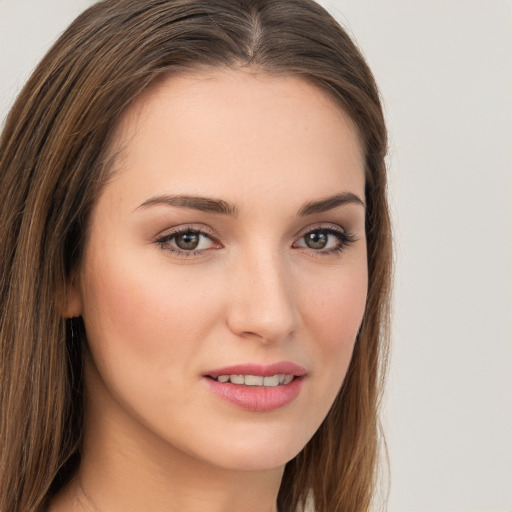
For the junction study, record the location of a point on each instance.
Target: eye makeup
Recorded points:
(325, 240)
(190, 241)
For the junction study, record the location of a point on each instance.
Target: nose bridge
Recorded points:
(262, 299)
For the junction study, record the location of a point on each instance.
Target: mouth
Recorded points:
(271, 381)
(256, 387)
(272, 375)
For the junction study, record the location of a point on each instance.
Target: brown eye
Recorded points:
(316, 239)
(187, 241)
(325, 240)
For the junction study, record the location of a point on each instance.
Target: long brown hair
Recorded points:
(54, 157)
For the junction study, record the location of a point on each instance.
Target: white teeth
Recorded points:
(271, 381)
(256, 380)
(288, 379)
(253, 380)
(237, 379)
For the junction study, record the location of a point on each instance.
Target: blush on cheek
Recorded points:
(146, 312)
(118, 301)
(340, 312)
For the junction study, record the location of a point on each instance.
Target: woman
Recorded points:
(195, 264)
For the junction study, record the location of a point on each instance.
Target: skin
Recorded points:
(156, 437)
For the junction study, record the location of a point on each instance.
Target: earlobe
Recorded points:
(71, 298)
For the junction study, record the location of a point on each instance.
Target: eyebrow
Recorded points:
(329, 203)
(204, 204)
(207, 204)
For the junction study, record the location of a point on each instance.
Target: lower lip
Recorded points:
(257, 398)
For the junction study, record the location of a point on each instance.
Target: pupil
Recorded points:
(187, 241)
(316, 240)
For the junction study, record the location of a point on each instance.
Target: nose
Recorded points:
(262, 301)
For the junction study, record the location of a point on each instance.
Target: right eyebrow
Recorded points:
(204, 204)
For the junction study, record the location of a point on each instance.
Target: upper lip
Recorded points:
(282, 367)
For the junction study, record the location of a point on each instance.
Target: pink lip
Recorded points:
(257, 398)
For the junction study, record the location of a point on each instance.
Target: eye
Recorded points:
(187, 241)
(325, 240)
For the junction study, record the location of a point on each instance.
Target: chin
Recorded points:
(255, 452)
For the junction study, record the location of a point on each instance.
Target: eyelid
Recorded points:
(181, 228)
(164, 237)
(345, 238)
(327, 226)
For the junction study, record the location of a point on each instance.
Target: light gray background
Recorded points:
(445, 71)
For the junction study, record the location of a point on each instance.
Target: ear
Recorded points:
(70, 298)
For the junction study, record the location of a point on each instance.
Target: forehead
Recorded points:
(236, 126)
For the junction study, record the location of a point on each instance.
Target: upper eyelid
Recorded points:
(212, 234)
(170, 232)
(164, 241)
(344, 235)
(322, 225)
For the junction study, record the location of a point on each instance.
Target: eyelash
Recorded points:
(344, 240)
(165, 240)
(343, 237)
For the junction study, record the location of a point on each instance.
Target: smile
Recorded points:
(255, 387)
(257, 380)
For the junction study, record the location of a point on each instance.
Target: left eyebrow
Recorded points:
(324, 205)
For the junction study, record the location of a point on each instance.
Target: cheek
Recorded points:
(340, 314)
(116, 305)
(336, 309)
(144, 313)
(334, 314)
(144, 331)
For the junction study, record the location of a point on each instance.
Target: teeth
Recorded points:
(288, 379)
(271, 381)
(237, 379)
(253, 380)
(256, 380)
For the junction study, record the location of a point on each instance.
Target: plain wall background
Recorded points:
(445, 71)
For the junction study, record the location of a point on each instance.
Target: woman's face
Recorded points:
(225, 276)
